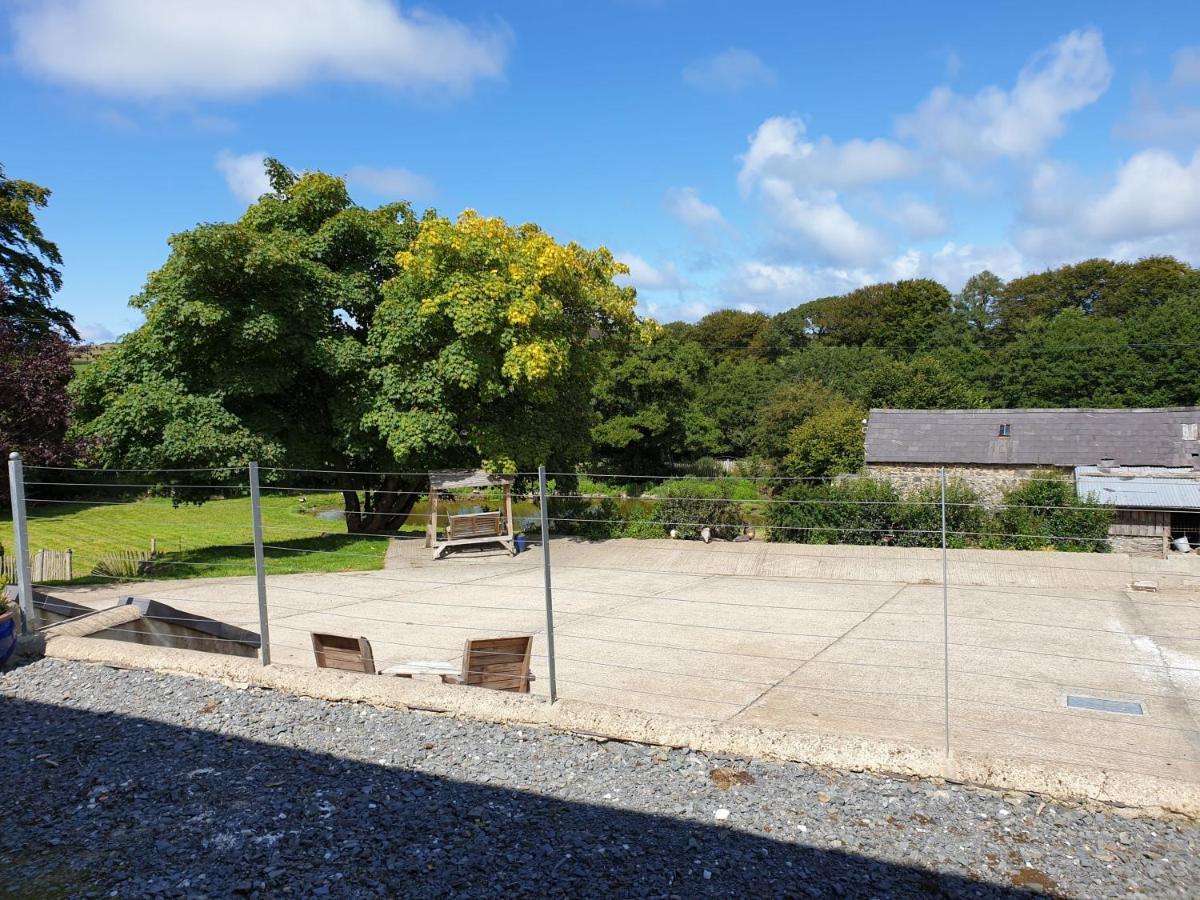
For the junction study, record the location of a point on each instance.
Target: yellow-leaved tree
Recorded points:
(485, 347)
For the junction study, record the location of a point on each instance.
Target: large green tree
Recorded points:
(316, 334)
(641, 399)
(29, 262)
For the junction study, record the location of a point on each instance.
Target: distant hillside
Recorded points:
(84, 356)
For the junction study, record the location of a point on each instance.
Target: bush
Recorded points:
(752, 467)
(590, 519)
(690, 503)
(1045, 512)
(848, 512)
(919, 517)
(643, 519)
(828, 443)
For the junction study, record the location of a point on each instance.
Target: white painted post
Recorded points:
(260, 567)
(16, 487)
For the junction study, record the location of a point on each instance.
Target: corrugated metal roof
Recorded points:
(1142, 487)
(1037, 437)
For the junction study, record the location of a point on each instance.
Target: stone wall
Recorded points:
(1138, 545)
(990, 482)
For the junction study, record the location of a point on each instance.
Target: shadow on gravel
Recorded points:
(96, 803)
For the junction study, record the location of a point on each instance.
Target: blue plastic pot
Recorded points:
(521, 542)
(8, 636)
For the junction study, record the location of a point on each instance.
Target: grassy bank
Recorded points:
(209, 540)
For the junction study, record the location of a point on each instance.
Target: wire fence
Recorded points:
(931, 618)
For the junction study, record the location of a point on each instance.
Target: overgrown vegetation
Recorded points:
(868, 511)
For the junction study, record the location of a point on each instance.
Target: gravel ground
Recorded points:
(131, 784)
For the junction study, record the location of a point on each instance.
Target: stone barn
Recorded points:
(1146, 462)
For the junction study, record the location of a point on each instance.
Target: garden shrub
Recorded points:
(1046, 512)
(847, 512)
(919, 518)
(688, 504)
(643, 519)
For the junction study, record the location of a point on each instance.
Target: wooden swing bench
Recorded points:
(467, 529)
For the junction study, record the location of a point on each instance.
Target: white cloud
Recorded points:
(823, 224)
(244, 174)
(1150, 205)
(779, 149)
(919, 220)
(393, 183)
(776, 287)
(952, 264)
(646, 277)
(686, 206)
(154, 49)
(798, 182)
(1186, 71)
(995, 123)
(730, 71)
(1154, 193)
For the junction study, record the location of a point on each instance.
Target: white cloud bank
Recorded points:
(1071, 74)
(153, 49)
(798, 181)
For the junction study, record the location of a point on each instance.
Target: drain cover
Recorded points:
(1098, 704)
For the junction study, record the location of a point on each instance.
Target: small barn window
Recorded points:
(1191, 432)
(1005, 430)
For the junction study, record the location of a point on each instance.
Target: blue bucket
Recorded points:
(521, 542)
(8, 638)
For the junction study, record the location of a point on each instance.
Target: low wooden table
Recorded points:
(421, 667)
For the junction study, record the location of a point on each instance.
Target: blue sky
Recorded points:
(754, 154)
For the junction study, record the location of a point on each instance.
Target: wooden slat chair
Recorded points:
(501, 664)
(349, 654)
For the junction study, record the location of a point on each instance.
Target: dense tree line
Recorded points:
(792, 389)
(316, 333)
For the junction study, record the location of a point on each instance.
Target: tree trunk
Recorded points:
(384, 504)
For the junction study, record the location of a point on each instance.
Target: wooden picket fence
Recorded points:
(123, 564)
(50, 565)
(45, 565)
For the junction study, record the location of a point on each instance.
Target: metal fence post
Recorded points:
(545, 509)
(16, 487)
(945, 615)
(260, 567)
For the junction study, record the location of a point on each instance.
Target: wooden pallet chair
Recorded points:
(501, 664)
(333, 651)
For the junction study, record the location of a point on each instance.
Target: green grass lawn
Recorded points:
(211, 539)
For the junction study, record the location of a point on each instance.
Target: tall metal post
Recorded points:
(16, 490)
(545, 507)
(945, 615)
(260, 567)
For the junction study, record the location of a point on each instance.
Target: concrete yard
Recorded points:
(835, 640)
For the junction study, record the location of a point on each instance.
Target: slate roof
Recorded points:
(1048, 437)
